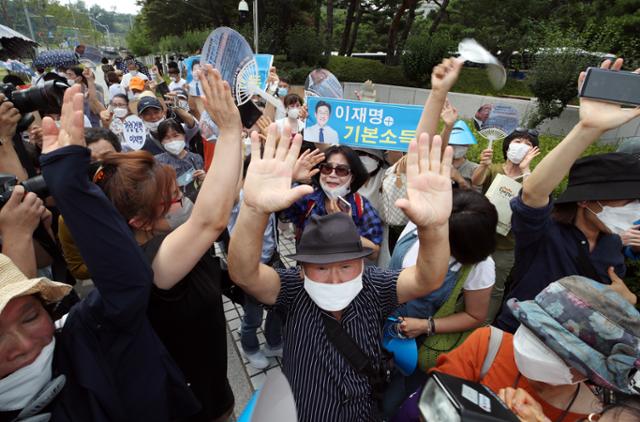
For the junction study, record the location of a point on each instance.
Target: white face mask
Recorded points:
(517, 152)
(619, 219)
(153, 126)
(18, 388)
(334, 193)
(459, 151)
(133, 72)
(331, 296)
(70, 82)
(120, 112)
(175, 147)
(293, 113)
(181, 215)
(370, 164)
(538, 362)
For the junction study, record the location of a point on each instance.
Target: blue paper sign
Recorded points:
(264, 62)
(361, 124)
(461, 134)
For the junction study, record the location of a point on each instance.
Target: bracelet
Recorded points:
(431, 327)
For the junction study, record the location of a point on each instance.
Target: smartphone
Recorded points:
(344, 205)
(249, 114)
(614, 86)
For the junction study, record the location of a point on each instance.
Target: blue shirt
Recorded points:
(369, 224)
(546, 251)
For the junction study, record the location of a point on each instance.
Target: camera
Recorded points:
(35, 184)
(47, 99)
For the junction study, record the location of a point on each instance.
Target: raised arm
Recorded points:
(428, 205)
(216, 198)
(595, 118)
(449, 116)
(119, 269)
(443, 77)
(267, 189)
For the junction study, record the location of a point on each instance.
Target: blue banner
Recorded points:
(264, 62)
(361, 124)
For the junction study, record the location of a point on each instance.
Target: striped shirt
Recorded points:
(324, 384)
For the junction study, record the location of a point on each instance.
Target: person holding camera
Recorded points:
(106, 362)
(333, 291)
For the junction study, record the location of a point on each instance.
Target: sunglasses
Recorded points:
(531, 132)
(341, 170)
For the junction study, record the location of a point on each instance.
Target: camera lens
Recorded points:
(36, 185)
(46, 99)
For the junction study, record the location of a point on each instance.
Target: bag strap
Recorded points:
(448, 307)
(348, 348)
(495, 340)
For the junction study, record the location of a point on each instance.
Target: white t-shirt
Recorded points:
(175, 85)
(481, 276)
(280, 125)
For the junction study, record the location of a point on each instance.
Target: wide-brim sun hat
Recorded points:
(13, 284)
(329, 239)
(589, 326)
(603, 177)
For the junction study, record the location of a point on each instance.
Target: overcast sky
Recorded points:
(120, 6)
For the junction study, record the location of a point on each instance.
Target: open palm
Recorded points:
(429, 196)
(71, 131)
(267, 186)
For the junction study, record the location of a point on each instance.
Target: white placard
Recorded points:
(500, 193)
(134, 132)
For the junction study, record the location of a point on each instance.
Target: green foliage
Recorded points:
(359, 70)
(554, 75)
(474, 80)
(189, 42)
(422, 54)
(139, 39)
(547, 143)
(305, 47)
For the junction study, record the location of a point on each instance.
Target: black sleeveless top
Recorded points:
(189, 319)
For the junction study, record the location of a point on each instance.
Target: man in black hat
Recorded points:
(152, 114)
(579, 234)
(332, 288)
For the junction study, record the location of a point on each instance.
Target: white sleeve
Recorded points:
(411, 258)
(482, 275)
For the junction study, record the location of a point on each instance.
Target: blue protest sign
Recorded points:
(264, 62)
(461, 134)
(361, 124)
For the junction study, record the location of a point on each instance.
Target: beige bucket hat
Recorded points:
(13, 283)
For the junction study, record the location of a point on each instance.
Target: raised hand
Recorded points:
(71, 131)
(526, 161)
(9, 118)
(267, 186)
(429, 196)
(486, 157)
(305, 167)
(218, 100)
(445, 75)
(604, 116)
(449, 114)
(523, 405)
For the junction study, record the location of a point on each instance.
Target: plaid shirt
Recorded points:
(369, 224)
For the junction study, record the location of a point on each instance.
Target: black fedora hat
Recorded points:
(330, 238)
(603, 177)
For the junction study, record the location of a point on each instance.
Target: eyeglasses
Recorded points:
(341, 170)
(531, 132)
(179, 200)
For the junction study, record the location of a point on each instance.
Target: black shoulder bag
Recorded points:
(349, 349)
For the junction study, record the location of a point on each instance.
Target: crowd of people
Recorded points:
(388, 245)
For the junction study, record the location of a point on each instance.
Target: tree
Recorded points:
(346, 34)
(393, 52)
(329, 40)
